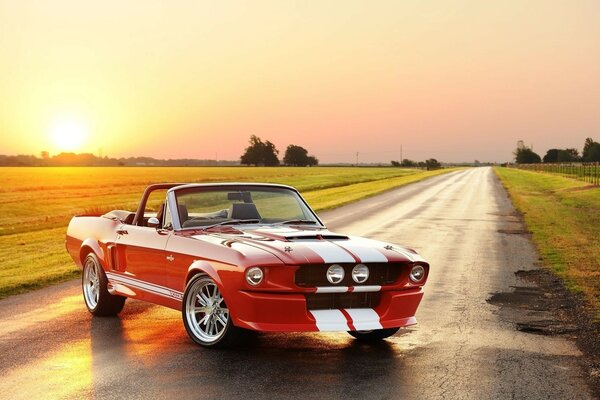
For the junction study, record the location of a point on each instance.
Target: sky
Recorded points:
(452, 80)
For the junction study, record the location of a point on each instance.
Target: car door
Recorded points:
(141, 261)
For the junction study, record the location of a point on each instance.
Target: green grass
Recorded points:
(563, 216)
(36, 204)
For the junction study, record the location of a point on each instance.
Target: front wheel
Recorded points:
(95, 292)
(206, 316)
(374, 335)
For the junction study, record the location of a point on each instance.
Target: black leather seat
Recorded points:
(243, 211)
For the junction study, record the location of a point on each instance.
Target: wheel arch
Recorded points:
(203, 267)
(91, 246)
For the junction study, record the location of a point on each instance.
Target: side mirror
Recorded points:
(153, 222)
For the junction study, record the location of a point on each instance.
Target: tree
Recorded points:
(551, 156)
(409, 163)
(432, 163)
(260, 153)
(562, 155)
(298, 156)
(591, 151)
(395, 163)
(524, 155)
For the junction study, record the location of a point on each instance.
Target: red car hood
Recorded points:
(295, 246)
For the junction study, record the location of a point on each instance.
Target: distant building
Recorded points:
(520, 145)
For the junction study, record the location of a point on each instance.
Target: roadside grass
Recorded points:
(36, 205)
(563, 216)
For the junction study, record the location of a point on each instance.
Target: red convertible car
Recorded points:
(235, 257)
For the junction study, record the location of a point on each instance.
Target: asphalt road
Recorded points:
(463, 223)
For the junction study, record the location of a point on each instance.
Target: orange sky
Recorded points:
(454, 80)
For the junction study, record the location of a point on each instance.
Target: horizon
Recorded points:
(452, 81)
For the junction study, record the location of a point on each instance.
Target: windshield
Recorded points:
(215, 206)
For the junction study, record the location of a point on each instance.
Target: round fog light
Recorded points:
(360, 273)
(417, 273)
(335, 274)
(254, 276)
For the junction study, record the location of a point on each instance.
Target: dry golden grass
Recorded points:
(36, 204)
(563, 216)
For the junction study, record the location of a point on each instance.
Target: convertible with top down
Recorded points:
(234, 257)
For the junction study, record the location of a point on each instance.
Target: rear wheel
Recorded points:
(206, 316)
(95, 292)
(374, 335)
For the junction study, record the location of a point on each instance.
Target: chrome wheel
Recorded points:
(206, 313)
(91, 283)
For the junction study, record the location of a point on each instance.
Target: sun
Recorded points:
(69, 134)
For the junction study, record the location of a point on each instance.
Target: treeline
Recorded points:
(590, 153)
(430, 164)
(90, 160)
(265, 154)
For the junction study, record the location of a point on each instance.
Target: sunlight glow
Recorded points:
(69, 134)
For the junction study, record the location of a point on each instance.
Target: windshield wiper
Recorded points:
(233, 222)
(297, 221)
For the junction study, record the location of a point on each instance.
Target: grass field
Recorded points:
(36, 204)
(563, 216)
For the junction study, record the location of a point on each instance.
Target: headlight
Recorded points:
(254, 276)
(417, 273)
(360, 273)
(335, 274)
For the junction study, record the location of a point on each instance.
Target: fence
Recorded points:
(587, 172)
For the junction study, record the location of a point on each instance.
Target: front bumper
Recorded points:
(287, 312)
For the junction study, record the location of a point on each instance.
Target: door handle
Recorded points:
(122, 232)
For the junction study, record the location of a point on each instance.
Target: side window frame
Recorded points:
(167, 217)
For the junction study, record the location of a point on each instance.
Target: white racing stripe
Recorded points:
(366, 288)
(364, 319)
(332, 289)
(146, 286)
(344, 289)
(366, 254)
(330, 320)
(331, 253)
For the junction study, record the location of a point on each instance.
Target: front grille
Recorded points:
(379, 274)
(330, 301)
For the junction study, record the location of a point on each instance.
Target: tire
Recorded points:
(206, 317)
(95, 292)
(374, 335)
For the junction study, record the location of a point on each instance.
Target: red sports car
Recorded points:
(235, 257)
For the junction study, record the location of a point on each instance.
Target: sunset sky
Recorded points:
(453, 80)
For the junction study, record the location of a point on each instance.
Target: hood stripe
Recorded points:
(330, 253)
(363, 253)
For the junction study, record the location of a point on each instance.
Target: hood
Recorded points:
(297, 246)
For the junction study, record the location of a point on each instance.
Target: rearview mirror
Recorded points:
(153, 222)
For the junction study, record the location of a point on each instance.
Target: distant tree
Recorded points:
(432, 163)
(260, 153)
(591, 151)
(409, 163)
(551, 156)
(395, 163)
(524, 155)
(569, 155)
(298, 157)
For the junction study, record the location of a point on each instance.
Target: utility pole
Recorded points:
(401, 154)
(357, 158)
